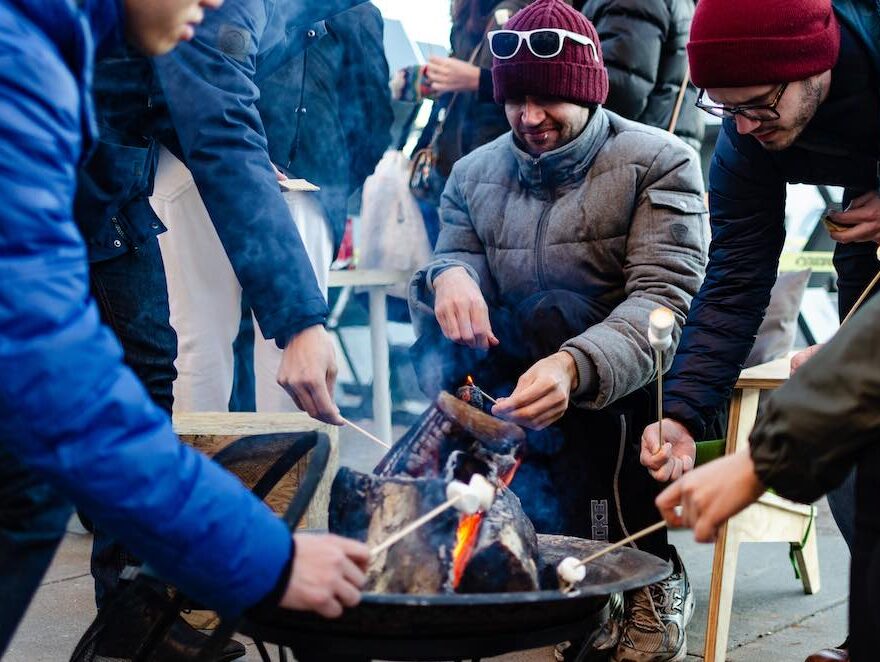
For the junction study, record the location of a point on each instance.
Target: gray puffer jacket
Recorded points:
(616, 214)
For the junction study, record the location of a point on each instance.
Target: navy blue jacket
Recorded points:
(747, 187)
(340, 86)
(69, 408)
(200, 102)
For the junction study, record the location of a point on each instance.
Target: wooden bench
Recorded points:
(211, 432)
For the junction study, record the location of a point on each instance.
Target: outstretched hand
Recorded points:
(308, 374)
(542, 393)
(461, 310)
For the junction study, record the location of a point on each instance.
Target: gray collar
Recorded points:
(567, 165)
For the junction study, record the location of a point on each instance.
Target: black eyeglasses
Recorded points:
(758, 112)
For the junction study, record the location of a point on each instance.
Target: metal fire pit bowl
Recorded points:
(456, 626)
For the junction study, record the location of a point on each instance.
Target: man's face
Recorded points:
(543, 124)
(157, 26)
(796, 108)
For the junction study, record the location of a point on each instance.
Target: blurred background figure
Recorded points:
(643, 43)
(464, 115)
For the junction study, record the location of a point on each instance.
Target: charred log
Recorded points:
(505, 555)
(372, 508)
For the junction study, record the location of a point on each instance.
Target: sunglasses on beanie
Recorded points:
(543, 43)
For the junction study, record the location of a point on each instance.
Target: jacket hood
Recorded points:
(568, 164)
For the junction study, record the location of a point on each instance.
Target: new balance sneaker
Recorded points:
(656, 619)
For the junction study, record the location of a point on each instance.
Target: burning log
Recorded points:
(372, 508)
(447, 426)
(504, 553)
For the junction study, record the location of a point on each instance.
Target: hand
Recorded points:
(541, 394)
(673, 457)
(328, 573)
(863, 214)
(308, 373)
(447, 74)
(803, 356)
(711, 495)
(461, 310)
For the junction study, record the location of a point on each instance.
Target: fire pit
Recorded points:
(462, 586)
(458, 626)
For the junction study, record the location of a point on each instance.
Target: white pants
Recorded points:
(205, 297)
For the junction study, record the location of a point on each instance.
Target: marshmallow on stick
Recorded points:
(468, 498)
(660, 325)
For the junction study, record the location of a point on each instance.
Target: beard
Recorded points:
(813, 92)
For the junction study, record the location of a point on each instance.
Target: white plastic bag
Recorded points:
(392, 231)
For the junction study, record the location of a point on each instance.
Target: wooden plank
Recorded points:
(770, 375)
(210, 432)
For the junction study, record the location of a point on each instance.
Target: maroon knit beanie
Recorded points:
(573, 75)
(739, 43)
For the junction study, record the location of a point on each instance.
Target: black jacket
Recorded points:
(643, 46)
(747, 189)
(340, 85)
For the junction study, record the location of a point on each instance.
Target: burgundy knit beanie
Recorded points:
(573, 75)
(739, 43)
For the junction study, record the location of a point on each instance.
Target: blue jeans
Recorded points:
(33, 517)
(132, 295)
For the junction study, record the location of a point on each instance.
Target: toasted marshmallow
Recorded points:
(484, 490)
(660, 325)
(571, 571)
(467, 498)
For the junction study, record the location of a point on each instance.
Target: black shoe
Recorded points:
(122, 628)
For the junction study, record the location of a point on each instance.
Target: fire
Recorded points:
(465, 539)
(467, 532)
(469, 381)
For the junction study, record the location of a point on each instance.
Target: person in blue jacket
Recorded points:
(75, 423)
(798, 85)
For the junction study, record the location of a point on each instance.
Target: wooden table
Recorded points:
(376, 282)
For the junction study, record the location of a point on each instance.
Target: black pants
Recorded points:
(582, 475)
(864, 592)
(132, 295)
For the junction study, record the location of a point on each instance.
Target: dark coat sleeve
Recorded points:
(814, 428)
(632, 33)
(367, 114)
(747, 212)
(208, 84)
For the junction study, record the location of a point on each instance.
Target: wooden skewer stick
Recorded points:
(368, 435)
(415, 524)
(625, 541)
(862, 298)
(487, 396)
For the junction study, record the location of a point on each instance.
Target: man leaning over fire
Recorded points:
(557, 241)
(797, 86)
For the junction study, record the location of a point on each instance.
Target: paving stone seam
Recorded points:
(788, 626)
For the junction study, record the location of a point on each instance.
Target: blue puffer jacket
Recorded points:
(69, 408)
(840, 146)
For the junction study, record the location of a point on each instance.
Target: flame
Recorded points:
(467, 532)
(465, 540)
(469, 381)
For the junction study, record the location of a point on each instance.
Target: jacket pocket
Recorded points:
(680, 201)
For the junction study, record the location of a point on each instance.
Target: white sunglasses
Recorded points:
(543, 42)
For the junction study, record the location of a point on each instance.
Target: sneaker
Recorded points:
(605, 642)
(656, 619)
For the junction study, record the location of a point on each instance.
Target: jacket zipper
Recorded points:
(539, 246)
(121, 232)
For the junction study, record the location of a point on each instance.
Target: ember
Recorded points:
(465, 539)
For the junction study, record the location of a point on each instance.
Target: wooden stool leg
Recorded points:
(721, 593)
(807, 559)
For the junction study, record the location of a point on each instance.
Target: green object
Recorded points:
(710, 450)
